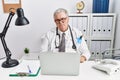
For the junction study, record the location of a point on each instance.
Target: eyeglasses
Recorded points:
(60, 20)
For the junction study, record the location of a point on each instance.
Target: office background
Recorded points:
(40, 15)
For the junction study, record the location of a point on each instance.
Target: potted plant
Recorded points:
(26, 51)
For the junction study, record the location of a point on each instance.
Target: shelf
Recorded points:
(98, 30)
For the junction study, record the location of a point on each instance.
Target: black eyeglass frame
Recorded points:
(61, 20)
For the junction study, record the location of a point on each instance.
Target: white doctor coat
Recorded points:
(50, 41)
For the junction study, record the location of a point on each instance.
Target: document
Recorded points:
(11, 1)
(26, 68)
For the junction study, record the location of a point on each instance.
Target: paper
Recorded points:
(11, 1)
(26, 68)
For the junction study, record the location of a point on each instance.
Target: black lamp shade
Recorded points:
(21, 19)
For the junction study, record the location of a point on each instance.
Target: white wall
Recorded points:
(40, 15)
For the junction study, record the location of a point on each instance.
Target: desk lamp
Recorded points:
(21, 20)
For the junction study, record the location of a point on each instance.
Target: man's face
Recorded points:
(61, 20)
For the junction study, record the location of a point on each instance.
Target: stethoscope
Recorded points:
(58, 39)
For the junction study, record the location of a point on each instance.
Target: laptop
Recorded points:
(59, 63)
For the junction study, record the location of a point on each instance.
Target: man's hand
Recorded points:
(82, 59)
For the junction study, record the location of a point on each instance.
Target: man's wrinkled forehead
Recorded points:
(60, 15)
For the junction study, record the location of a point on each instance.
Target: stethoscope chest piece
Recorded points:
(57, 41)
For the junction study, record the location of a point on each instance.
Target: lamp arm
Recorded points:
(7, 24)
(7, 51)
(2, 37)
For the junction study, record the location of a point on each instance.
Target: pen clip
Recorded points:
(22, 74)
(81, 36)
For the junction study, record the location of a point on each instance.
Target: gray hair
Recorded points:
(59, 10)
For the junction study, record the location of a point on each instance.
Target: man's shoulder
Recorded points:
(76, 30)
(51, 32)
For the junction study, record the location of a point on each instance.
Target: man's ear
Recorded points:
(68, 19)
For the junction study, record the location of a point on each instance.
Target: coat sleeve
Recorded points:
(44, 43)
(83, 49)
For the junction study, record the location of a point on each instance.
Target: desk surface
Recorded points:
(86, 73)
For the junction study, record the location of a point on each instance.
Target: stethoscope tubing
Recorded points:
(57, 34)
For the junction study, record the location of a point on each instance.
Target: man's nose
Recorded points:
(61, 21)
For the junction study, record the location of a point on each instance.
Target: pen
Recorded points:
(29, 69)
(81, 36)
